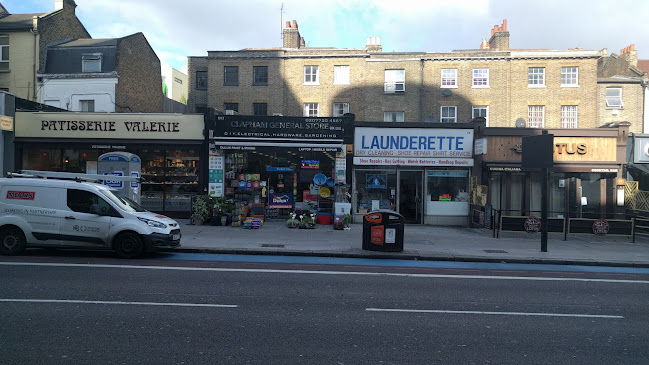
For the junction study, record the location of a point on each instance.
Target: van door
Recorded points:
(39, 207)
(79, 226)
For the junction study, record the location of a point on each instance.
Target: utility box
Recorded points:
(122, 164)
(383, 231)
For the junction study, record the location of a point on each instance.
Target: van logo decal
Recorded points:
(22, 195)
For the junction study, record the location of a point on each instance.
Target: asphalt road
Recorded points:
(98, 310)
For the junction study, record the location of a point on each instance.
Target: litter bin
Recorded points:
(383, 231)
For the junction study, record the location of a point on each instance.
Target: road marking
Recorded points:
(495, 313)
(117, 303)
(359, 273)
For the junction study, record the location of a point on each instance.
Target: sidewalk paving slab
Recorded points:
(421, 242)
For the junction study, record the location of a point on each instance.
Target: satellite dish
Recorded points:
(430, 119)
(446, 92)
(520, 123)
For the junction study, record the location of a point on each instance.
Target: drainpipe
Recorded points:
(35, 56)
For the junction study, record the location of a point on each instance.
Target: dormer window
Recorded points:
(91, 63)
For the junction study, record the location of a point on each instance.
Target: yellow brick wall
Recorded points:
(20, 77)
(632, 105)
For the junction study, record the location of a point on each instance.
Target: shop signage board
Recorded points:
(6, 123)
(413, 142)
(279, 128)
(413, 161)
(280, 201)
(341, 167)
(216, 165)
(109, 125)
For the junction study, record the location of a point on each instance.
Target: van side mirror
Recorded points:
(94, 209)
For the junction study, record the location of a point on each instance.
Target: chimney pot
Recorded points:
(288, 24)
(294, 24)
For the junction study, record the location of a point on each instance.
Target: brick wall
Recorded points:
(57, 26)
(139, 89)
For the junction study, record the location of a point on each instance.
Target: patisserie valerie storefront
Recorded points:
(422, 172)
(168, 145)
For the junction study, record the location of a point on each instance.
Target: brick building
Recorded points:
(23, 41)
(102, 75)
(546, 88)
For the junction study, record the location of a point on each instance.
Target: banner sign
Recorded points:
(413, 142)
(395, 161)
(280, 200)
(284, 128)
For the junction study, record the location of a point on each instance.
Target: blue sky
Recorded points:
(177, 29)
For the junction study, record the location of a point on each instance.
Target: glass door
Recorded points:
(410, 196)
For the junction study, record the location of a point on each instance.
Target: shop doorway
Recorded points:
(410, 196)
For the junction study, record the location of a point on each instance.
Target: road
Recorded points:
(175, 309)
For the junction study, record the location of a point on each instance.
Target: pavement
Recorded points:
(421, 242)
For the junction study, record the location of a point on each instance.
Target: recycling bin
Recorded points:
(383, 231)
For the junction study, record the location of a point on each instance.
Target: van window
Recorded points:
(81, 200)
(123, 201)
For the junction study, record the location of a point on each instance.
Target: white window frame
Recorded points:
(569, 116)
(310, 109)
(614, 101)
(395, 81)
(341, 75)
(396, 117)
(480, 107)
(87, 106)
(4, 53)
(536, 77)
(570, 76)
(91, 59)
(480, 78)
(448, 118)
(449, 78)
(536, 116)
(338, 107)
(311, 75)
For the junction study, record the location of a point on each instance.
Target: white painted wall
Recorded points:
(67, 93)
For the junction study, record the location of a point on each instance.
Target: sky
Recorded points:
(178, 29)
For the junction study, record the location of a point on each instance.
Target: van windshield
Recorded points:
(123, 201)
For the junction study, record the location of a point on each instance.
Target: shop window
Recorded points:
(45, 159)
(448, 185)
(375, 189)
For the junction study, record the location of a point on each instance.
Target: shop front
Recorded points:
(421, 172)
(583, 182)
(275, 165)
(168, 145)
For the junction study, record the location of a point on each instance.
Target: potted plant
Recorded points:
(201, 210)
(307, 221)
(293, 220)
(347, 221)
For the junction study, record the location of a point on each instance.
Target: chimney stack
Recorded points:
(292, 37)
(630, 54)
(373, 45)
(65, 4)
(499, 40)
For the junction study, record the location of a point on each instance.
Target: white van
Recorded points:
(38, 212)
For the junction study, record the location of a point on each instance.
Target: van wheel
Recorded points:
(129, 245)
(12, 241)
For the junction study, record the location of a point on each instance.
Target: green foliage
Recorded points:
(202, 209)
(347, 220)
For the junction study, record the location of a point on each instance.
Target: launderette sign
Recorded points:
(413, 142)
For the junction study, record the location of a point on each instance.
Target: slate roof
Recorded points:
(18, 21)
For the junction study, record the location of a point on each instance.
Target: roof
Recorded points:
(643, 65)
(86, 42)
(18, 21)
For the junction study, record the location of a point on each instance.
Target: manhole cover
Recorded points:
(495, 251)
(272, 245)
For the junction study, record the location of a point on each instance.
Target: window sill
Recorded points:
(449, 87)
(347, 84)
(393, 92)
(536, 86)
(570, 86)
(230, 84)
(201, 89)
(260, 84)
(481, 87)
(311, 84)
